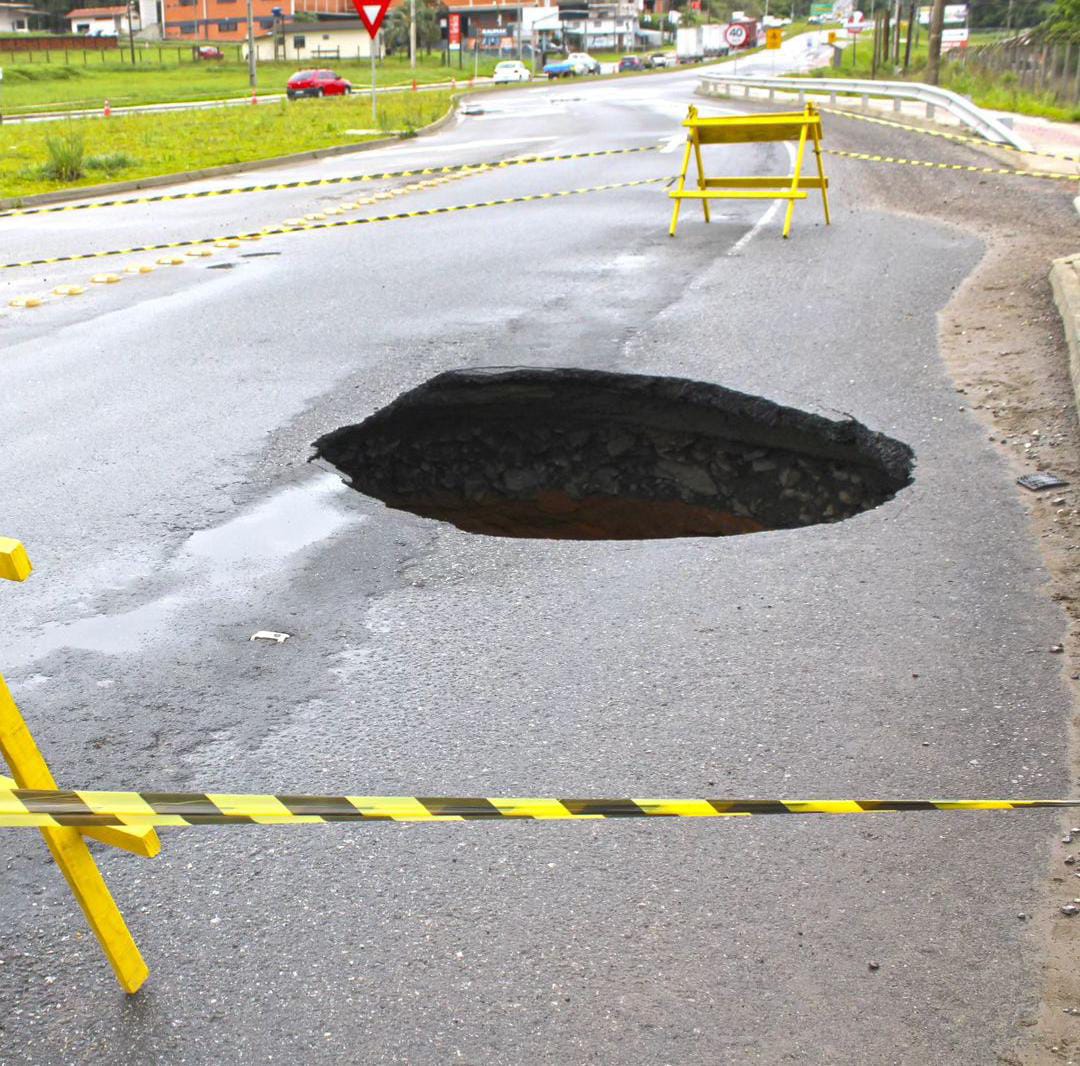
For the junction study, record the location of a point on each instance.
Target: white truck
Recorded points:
(712, 40)
(689, 46)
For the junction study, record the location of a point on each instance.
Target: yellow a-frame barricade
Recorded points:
(69, 849)
(801, 126)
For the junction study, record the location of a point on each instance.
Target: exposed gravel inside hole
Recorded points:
(589, 455)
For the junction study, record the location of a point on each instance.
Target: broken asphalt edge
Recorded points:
(1065, 282)
(87, 192)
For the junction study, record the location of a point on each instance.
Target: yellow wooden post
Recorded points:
(682, 177)
(795, 181)
(816, 131)
(69, 849)
(700, 172)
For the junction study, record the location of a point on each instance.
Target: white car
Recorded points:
(510, 71)
(583, 63)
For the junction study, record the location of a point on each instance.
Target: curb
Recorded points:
(88, 192)
(1065, 282)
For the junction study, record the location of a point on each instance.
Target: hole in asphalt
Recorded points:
(257, 255)
(589, 455)
(221, 266)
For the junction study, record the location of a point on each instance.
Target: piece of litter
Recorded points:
(1038, 482)
(265, 634)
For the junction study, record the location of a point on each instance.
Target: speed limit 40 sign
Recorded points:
(736, 35)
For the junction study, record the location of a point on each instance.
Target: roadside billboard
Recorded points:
(955, 15)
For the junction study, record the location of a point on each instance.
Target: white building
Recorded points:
(15, 18)
(315, 43)
(101, 21)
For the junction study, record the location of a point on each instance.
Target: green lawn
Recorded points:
(38, 86)
(999, 92)
(139, 146)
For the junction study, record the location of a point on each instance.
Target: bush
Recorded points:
(110, 162)
(65, 161)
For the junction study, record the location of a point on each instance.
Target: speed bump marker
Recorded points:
(26, 301)
(198, 252)
(170, 260)
(69, 290)
(108, 279)
(139, 268)
(228, 243)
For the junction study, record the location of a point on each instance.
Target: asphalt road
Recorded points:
(155, 444)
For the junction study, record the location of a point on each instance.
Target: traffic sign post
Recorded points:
(372, 15)
(774, 38)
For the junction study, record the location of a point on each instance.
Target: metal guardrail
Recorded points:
(995, 131)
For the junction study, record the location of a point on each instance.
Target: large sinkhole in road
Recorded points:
(588, 455)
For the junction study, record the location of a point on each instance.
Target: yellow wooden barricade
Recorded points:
(68, 847)
(801, 126)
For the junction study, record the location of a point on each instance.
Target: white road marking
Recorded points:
(766, 218)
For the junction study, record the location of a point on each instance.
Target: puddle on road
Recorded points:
(217, 563)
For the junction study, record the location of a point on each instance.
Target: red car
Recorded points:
(316, 83)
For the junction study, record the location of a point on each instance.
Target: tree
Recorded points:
(1064, 20)
(428, 31)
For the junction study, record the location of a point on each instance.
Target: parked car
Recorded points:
(316, 83)
(208, 51)
(631, 63)
(662, 59)
(584, 63)
(510, 70)
(560, 68)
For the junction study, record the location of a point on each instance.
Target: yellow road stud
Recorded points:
(26, 301)
(333, 211)
(382, 196)
(69, 290)
(139, 268)
(170, 260)
(108, 279)
(68, 846)
(198, 253)
(231, 243)
(315, 216)
(798, 126)
(293, 222)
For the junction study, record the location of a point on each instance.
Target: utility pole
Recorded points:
(412, 34)
(912, 30)
(131, 32)
(252, 78)
(933, 62)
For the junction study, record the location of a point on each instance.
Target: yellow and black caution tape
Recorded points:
(348, 179)
(934, 165)
(274, 231)
(957, 137)
(45, 809)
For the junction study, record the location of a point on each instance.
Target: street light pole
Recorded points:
(412, 34)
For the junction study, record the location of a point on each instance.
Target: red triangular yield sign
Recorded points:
(372, 13)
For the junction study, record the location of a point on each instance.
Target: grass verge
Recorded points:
(1000, 92)
(59, 86)
(142, 146)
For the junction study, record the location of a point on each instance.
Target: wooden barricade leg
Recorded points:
(69, 850)
(820, 167)
(701, 182)
(682, 184)
(795, 178)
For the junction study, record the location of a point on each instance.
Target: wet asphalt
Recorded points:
(156, 448)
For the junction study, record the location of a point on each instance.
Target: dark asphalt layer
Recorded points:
(155, 440)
